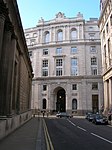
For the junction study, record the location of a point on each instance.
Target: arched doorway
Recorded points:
(44, 103)
(61, 101)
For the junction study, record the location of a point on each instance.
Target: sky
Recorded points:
(32, 10)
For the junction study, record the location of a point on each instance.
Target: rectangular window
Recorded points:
(94, 61)
(92, 49)
(91, 36)
(95, 86)
(59, 51)
(59, 62)
(73, 49)
(59, 67)
(58, 71)
(45, 63)
(74, 68)
(45, 51)
(44, 87)
(107, 27)
(44, 72)
(74, 86)
(30, 53)
(94, 70)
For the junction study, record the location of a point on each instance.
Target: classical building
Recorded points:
(105, 24)
(15, 70)
(66, 59)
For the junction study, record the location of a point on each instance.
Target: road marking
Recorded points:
(102, 138)
(82, 128)
(71, 122)
(47, 137)
(76, 126)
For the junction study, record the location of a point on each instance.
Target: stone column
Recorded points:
(10, 75)
(106, 97)
(4, 69)
(3, 13)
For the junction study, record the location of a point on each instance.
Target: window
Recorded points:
(27, 35)
(44, 87)
(59, 67)
(46, 40)
(111, 20)
(74, 104)
(73, 34)
(45, 68)
(90, 28)
(59, 51)
(107, 27)
(74, 69)
(74, 86)
(45, 51)
(91, 36)
(92, 49)
(32, 42)
(45, 63)
(94, 61)
(73, 49)
(30, 53)
(94, 70)
(59, 62)
(34, 34)
(104, 34)
(60, 35)
(95, 86)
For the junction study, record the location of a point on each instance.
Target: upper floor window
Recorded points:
(92, 36)
(45, 51)
(95, 86)
(92, 48)
(73, 49)
(90, 28)
(34, 34)
(59, 51)
(94, 61)
(32, 42)
(107, 27)
(74, 86)
(44, 87)
(111, 20)
(74, 67)
(59, 67)
(45, 68)
(60, 35)
(46, 39)
(27, 35)
(45, 63)
(94, 70)
(73, 34)
(30, 53)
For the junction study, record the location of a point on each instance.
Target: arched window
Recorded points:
(44, 103)
(74, 104)
(60, 35)
(73, 34)
(46, 38)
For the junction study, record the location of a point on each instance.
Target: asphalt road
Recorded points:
(78, 134)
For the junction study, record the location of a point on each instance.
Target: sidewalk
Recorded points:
(27, 137)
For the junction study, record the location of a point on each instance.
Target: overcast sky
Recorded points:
(32, 10)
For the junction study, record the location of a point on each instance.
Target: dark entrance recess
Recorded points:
(61, 101)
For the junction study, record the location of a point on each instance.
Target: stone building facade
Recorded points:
(105, 24)
(15, 70)
(66, 59)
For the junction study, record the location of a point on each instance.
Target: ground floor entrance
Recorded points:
(61, 101)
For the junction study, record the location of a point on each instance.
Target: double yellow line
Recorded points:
(47, 137)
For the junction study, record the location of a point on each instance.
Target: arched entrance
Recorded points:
(61, 101)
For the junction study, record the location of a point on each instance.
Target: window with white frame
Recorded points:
(92, 36)
(74, 49)
(74, 67)
(59, 51)
(45, 68)
(94, 70)
(46, 39)
(45, 51)
(93, 61)
(74, 86)
(73, 34)
(59, 67)
(92, 49)
(94, 86)
(60, 35)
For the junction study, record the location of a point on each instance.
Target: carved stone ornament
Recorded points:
(60, 15)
